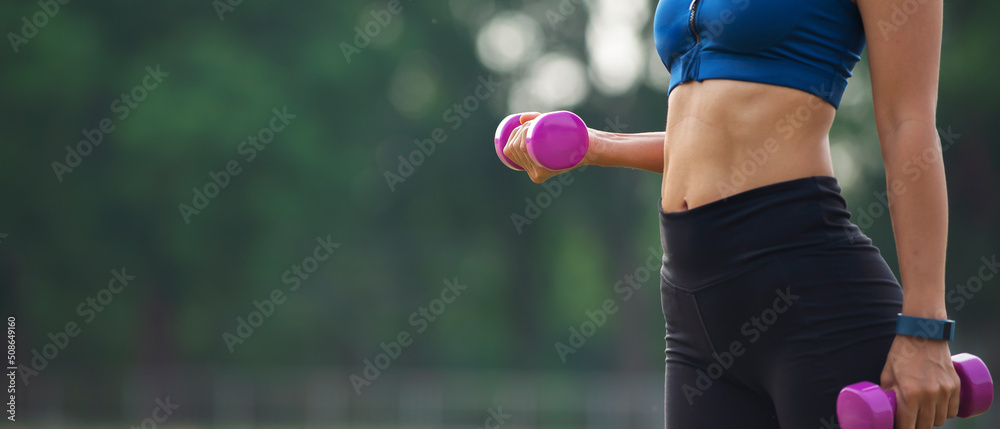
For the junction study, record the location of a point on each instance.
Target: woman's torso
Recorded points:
(724, 137)
(754, 88)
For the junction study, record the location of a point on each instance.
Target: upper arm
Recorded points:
(904, 52)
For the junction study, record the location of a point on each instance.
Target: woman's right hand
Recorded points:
(517, 150)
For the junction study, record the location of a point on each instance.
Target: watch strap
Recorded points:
(934, 329)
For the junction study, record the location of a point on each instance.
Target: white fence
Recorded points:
(285, 397)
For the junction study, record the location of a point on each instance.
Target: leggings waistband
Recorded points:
(713, 241)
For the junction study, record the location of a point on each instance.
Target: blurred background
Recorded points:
(266, 214)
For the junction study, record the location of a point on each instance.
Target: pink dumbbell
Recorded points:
(866, 406)
(555, 140)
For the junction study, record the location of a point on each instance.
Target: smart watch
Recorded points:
(934, 329)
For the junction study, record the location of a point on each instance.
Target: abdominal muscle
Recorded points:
(724, 137)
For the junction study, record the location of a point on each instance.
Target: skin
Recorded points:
(710, 133)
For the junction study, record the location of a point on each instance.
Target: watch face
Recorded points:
(949, 330)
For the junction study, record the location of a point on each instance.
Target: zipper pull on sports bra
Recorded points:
(809, 45)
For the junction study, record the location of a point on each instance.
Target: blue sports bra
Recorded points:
(811, 45)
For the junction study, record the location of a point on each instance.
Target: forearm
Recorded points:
(919, 211)
(643, 150)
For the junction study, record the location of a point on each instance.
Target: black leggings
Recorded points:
(773, 302)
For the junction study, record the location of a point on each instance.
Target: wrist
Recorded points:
(925, 311)
(909, 343)
(598, 141)
(925, 300)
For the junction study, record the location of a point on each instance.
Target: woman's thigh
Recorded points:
(781, 338)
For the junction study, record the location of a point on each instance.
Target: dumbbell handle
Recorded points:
(866, 406)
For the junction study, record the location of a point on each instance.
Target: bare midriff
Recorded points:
(724, 137)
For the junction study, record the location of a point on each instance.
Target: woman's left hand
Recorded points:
(923, 377)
